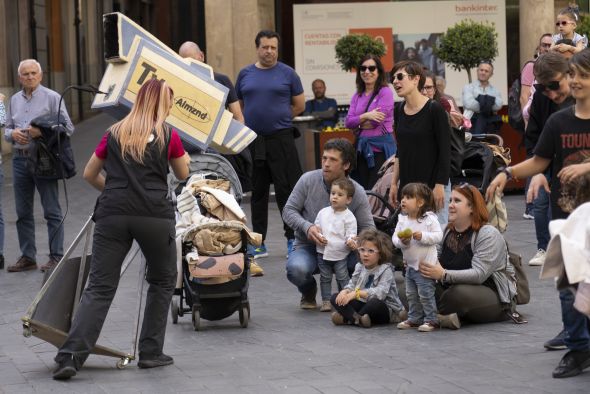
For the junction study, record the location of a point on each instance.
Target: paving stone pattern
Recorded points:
(284, 349)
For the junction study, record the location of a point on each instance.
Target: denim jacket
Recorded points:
(385, 143)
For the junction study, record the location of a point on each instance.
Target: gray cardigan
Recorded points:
(382, 288)
(490, 258)
(310, 195)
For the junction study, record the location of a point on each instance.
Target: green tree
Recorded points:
(350, 49)
(467, 43)
(583, 27)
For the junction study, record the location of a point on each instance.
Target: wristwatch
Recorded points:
(506, 170)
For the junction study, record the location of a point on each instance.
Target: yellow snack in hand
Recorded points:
(406, 233)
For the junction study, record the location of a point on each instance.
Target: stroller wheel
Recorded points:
(244, 315)
(196, 319)
(174, 311)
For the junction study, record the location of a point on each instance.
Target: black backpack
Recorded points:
(515, 118)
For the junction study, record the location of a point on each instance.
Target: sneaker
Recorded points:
(407, 324)
(154, 361)
(528, 216)
(23, 264)
(365, 321)
(257, 252)
(538, 258)
(573, 363)
(65, 369)
(451, 321)
(428, 326)
(337, 319)
(49, 265)
(289, 246)
(557, 343)
(326, 306)
(255, 269)
(308, 300)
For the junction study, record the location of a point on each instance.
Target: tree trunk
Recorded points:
(468, 73)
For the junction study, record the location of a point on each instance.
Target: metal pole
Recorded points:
(77, 21)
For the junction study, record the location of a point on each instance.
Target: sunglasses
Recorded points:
(367, 251)
(553, 85)
(562, 23)
(370, 68)
(400, 76)
(428, 87)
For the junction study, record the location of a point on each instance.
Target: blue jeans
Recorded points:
(443, 214)
(327, 268)
(575, 323)
(421, 300)
(542, 213)
(302, 264)
(24, 195)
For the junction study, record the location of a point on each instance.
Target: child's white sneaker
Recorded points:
(407, 324)
(428, 327)
(326, 306)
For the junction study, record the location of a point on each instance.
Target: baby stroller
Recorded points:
(482, 157)
(215, 269)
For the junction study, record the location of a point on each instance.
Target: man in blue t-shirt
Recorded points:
(271, 94)
(321, 106)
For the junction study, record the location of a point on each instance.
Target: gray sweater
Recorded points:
(310, 195)
(490, 258)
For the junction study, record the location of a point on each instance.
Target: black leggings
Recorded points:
(365, 176)
(472, 303)
(375, 308)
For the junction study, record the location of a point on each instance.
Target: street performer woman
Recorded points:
(134, 204)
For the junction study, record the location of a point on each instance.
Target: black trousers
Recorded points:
(365, 176)
(375, 308)
(113, 236)
(472, 303)
(275, 161)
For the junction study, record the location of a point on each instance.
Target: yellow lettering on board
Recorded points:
(192, 107)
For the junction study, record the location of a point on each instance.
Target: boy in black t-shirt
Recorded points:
(565, 142)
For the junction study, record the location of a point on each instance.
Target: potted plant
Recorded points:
(466, 44)
(350, 49)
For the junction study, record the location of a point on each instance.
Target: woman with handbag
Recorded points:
(371, 117)
(134, 204)
(423, 136)
(476, 283)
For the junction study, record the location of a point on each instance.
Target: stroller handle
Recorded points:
(493, 139)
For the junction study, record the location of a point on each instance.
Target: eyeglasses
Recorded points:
(400, 76)
(562, 23)
(465, 186)
(367, 251)
(370, 68)
(553, 85)
(545, 45)
(429, 87)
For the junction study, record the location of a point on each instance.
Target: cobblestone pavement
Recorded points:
(284, 349)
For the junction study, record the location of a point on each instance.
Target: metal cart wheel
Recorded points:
(244, 315)
(196, 318)
(174, 311)
(27, 332)
(123, 362)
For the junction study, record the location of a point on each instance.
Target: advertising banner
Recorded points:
(409, 30)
